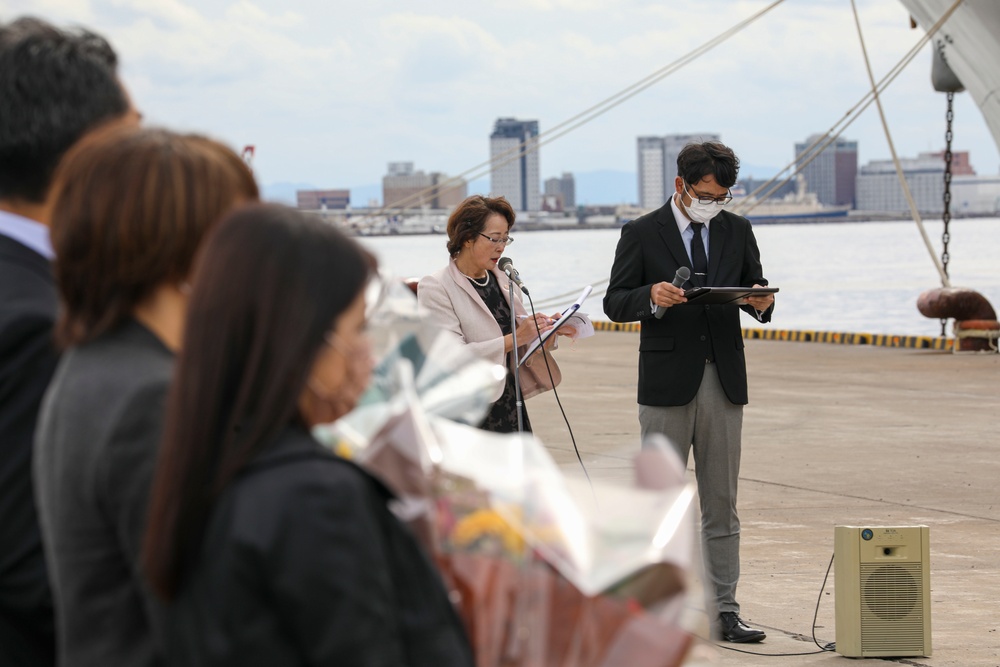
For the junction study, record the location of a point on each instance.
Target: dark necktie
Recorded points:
(699, 261)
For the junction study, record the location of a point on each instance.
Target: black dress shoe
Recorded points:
(733, 629)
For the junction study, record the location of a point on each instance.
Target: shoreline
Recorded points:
(567, 224)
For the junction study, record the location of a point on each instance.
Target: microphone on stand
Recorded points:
(682, 276)
(506, 264)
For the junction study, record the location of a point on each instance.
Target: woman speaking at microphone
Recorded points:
(470, 299)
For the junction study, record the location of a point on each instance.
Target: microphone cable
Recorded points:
(555, 393)
(823, 648)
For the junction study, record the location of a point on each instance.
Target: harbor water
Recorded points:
(861, 277)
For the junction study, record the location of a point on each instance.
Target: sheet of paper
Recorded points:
(567, 317)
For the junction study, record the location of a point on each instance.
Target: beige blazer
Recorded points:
(456, 306)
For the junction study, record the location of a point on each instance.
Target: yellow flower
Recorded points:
(343, 450)
(486, 523)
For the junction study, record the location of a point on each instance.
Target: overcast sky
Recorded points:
(329, 92)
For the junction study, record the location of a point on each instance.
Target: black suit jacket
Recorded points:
(27, 362)
(673, 350)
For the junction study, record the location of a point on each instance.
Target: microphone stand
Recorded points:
(517, 366)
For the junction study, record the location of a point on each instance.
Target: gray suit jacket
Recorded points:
(98, 435)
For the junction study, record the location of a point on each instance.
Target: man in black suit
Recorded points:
(54, 87)
(692, 372)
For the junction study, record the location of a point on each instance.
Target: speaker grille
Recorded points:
(892, 609)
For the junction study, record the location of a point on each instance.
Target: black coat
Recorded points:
(303, 564)
(27, 361)
(672, 350)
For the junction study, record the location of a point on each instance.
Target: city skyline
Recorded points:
(330, 94)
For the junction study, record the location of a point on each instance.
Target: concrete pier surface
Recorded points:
(833, 435)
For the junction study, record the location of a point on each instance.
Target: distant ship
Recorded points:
(800, 206)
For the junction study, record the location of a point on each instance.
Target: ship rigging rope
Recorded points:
(574, 122)
(814, 149)
(560, 299)
(945, 282)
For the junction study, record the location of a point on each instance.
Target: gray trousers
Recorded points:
(713, 427)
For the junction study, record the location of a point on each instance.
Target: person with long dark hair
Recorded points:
(267, 548)
(130, 208)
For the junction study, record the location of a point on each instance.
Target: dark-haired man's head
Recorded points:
(55, 86)
(710, 158)
(705, 172)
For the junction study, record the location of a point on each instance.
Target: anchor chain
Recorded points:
(946, 214)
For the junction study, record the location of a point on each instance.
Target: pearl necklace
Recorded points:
(486, 280)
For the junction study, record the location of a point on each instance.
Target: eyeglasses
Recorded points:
(720, 201)
(507, 240)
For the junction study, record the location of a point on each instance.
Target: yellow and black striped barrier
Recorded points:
(604, 325)
(847, 338)
(835, 337)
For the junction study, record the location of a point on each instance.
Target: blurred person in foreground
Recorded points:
(268, 548)
(692, 371)
(55, 86)
(470, 299)
(130, 208)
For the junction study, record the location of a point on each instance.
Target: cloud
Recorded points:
(330, 92)
(69, 11)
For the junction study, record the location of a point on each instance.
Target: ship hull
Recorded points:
(970, 47)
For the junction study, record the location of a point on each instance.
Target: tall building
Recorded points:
(975, 195)
(833, 173)
(450, 191)
(568, 189)
(403, 187)
(322, 200)
(651, 183)
(516, 177)
(878, 187)
(561, 190)
(960, 165)
(658, 165)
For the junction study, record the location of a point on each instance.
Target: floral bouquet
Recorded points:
(545, 570)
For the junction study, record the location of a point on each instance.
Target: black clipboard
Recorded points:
(723, 295)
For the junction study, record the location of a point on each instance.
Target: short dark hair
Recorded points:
(130, 208)
(55, 85)
(696, 161)
(469, 219)
(269, 285)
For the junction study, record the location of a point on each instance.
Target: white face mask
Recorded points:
(699, 212)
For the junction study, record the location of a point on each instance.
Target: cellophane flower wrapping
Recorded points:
(545, 570)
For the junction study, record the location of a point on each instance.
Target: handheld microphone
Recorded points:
(506, 264)
(682, 276)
